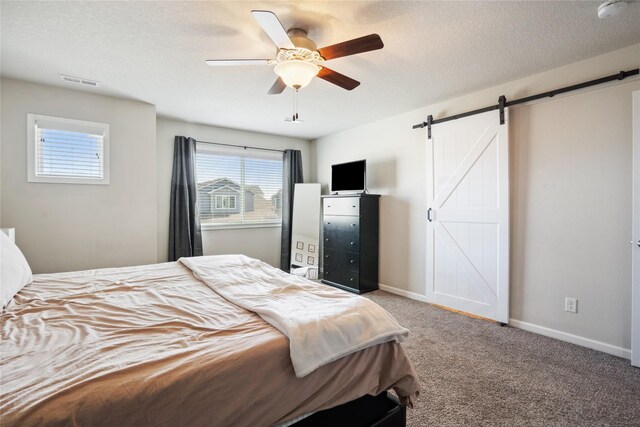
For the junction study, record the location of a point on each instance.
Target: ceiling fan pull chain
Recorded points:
(294, 117)
(297, 95)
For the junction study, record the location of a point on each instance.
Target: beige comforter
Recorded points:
(152, 345)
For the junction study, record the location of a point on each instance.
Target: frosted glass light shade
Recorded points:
(295, 73)
(611, 8)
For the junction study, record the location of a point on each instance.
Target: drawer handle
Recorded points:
(328, 223)
(326, 240)
(326, 256)
(353, 243)
(353, 261)
(351, 279)
(353, 225)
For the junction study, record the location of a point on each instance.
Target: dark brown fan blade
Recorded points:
(277, 87)
(351, 47)
(338, 79)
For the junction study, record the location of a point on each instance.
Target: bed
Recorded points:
(157, 345)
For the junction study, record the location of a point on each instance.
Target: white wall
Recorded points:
(262, 243)
(0, 153)
(62, 227)
(571, 195)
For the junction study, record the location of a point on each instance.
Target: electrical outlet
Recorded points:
(571, 305)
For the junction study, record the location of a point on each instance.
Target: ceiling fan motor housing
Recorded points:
(305, 49)
(299, 39)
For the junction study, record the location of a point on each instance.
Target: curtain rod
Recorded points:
(246, 147)
(502, 102)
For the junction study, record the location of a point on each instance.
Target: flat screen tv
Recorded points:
(349, 177)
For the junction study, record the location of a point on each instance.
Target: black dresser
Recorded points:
(350, 241)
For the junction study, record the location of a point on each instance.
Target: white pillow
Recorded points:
(15, 272)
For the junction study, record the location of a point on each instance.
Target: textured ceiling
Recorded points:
(155, 52)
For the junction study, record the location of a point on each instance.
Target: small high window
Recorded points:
(67, 151)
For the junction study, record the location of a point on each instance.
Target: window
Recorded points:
(238, 189)
(67, 151)
(225, 202)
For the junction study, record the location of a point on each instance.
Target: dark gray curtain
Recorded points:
(185, 236)
(291, 175)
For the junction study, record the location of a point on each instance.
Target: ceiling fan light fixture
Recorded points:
(296, 73)
(611, 8)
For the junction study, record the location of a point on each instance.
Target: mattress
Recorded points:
(153, 345)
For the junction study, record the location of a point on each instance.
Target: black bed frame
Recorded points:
(383, 410)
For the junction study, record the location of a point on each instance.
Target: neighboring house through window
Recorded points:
(238, 188)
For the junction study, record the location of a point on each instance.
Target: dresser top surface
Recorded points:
(331, 196)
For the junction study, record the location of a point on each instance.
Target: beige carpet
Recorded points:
(474, 372)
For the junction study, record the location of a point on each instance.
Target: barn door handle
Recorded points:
(429, 217)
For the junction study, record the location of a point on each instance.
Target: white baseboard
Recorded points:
(402, 293)
(542, 330)
(573, 339)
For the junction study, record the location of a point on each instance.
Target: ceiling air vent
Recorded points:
(79, 81)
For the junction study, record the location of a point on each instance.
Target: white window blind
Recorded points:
(238, 189)
(67, 151)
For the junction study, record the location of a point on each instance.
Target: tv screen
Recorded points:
(350, 176)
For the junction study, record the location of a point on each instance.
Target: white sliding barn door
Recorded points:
(468, 198)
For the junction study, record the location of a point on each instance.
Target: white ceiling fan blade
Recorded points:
(232, 62)
(278, 87)
(274, 29)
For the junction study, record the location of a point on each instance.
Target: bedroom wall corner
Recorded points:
(313, 153)
(65, 227)
(261, 242)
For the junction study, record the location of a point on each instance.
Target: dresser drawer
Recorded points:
(342, 277)
(342, 260)
(342, 232)
(343, 240)
(345, 224)
(341, 206)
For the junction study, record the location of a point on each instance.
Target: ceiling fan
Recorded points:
(298, 59)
